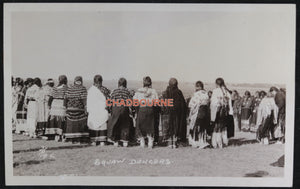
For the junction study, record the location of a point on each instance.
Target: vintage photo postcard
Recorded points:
(149, 94)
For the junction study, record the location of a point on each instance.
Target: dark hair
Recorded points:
(29, 80)
(220, 82)
(12, 81)
(173, 82)
(273, 89)
(122, 82)
(147, 81)
(262, 94)
(98, 80)
(199, 84)
(247, 93)
(282, 90)
(209, 92)
(21, 82)
(77, 78)
(37, 81)
(62, 80)
(50, 82)
(17, 80)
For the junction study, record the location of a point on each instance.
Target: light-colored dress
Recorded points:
(43, 110)
(97, 114)
(32, 108)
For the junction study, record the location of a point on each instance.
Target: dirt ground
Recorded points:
(244, 157)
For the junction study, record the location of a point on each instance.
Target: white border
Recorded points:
(146, 181)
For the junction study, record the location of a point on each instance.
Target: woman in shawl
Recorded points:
(246, 111)
(199, 117)
(279, 130)
(32, 100)
(76, 119)
(57, 115)
(145, 121)
(173, 118)
(220, 108)
(267, 114)
(97, 112)
(256, 101)
(120, 122)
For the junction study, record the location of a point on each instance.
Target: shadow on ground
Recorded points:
(257, 174)
(31, 162)
(22, 140)
(241, 141)
(52, 148)
(279, 162)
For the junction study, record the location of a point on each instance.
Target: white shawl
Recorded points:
(96, 104)
(217, 100)
(199, 98)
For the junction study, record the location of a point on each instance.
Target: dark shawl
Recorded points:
(176, 114)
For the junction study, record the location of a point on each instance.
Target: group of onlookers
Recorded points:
(71, 112)
(263, 113)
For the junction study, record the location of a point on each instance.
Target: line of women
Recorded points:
(207, 119)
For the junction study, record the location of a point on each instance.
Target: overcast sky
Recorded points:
(249, 46)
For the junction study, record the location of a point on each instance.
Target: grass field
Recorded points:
(244, 157)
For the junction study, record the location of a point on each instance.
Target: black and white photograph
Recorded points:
(149, 94)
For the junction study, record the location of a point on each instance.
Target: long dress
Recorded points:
(237, 113)
(279, 130)
(21, 125)
(43, 111)
(57, 115)
(173, 119)
(32, 108)
(145, 121)
(246, 113)
(253, 119)
(198, 119)
(76, 123)
(220, 108)
(120, 122)
(267, 114)
(97, 115)
(230, 125)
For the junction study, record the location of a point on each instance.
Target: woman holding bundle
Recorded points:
(173, 118)
(145, 121)
(76, 118)
(97, 112)
(220, 108)
(56, 123)
(199, 117)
